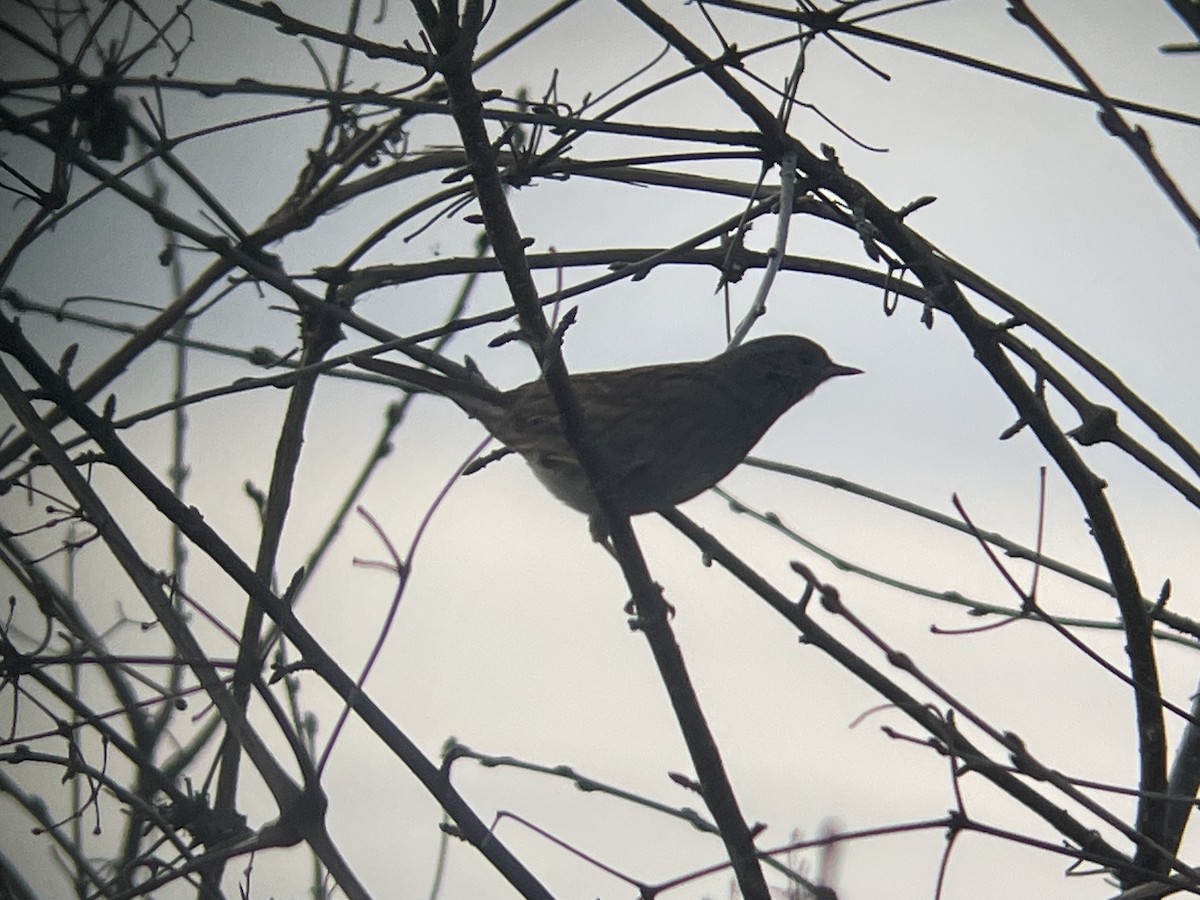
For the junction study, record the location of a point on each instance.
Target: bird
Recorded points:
(667, 432)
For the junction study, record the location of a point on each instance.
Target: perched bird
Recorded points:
(668, 432)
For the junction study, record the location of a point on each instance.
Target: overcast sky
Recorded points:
(511, 636)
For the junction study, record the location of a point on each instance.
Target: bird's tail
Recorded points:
(474, 398)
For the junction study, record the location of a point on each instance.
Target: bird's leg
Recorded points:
(599, 530)
(598, 527)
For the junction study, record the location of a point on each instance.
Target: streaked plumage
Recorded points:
(668, 431)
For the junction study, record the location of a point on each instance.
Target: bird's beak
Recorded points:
(834, 370)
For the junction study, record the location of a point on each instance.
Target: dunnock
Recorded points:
(668, 432)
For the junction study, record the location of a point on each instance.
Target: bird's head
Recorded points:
(794, 364)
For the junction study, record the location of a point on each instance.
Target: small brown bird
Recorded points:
(668, 432)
